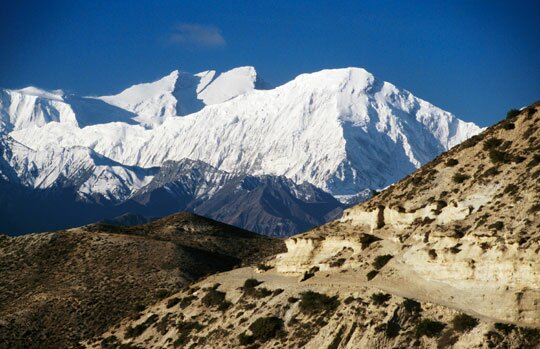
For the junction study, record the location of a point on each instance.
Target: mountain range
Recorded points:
(324, 140)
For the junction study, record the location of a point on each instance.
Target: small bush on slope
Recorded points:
(313, 302)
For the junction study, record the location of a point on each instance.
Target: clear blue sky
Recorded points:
(476, 59)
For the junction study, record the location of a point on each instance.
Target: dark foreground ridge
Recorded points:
(58, 288)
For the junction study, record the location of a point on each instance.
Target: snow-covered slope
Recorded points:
(181, 93)
(93, 176)
(341, 130)
(33, 107)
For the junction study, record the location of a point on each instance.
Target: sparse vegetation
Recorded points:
(512, 113)
(139, 329)
(452, 162)
(184, 330)
(429, 328)
(460, 178)
(162, 293)
(412, 306)
(380, 261)
(380, 298)
(337, 263)
(497, 156)
(186, 301)
(251, 283)
(172, 302)
(492, 143)
(266, 328)
(509, 126)
(264, 267)
(277, 291)
(313, 302)
(262, 330)
(464, 323)
(496, 226)
(213, 298)
(372, 274)
(309, 274)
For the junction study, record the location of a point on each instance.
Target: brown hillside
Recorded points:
(61, 287)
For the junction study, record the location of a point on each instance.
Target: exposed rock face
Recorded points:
(468, 222)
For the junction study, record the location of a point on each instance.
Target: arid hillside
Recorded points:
(61, 287)
(447, 257)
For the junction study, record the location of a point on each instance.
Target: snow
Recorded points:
(341, 129)
(181, 93)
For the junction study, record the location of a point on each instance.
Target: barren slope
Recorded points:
(61, 287)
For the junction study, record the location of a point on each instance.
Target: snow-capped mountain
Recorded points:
(340, 130)
(180, 93)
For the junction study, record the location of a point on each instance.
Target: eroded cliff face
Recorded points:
(465, 228)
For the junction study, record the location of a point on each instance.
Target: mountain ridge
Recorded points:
(340, 130)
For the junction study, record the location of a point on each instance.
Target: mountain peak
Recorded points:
(38, 92)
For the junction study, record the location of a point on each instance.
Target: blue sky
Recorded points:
(476, 59)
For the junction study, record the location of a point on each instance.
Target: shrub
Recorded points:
(534, 208)
(492, 143)
(497, 156)
(313, 302)
(186, 301)
(392, 329)
(464, 322)
(512, 113)
(277, 291)
(309, 274)
(380, 261)
(506, 328)
(380, 298)
(371, 274)
(244, 339)
(292, 299)
(535, 161)
(266, 328)
(172, 302)
(162, 293)
(250, 289)
(224, 305)
(213, 298)
(492, 171)
(337, 263)
(511, 189)
(460, 178)
(452, 162)
(140, 328)
(447, 339)
(251, 283)
(429, 328)
(264, 267)
(496, 226)
(412, 306)
(184, 330)
(509, 126)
